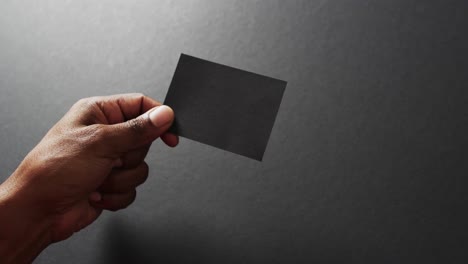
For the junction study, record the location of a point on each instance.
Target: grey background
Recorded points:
(367, 161)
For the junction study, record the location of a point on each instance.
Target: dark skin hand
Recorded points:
(91, 160)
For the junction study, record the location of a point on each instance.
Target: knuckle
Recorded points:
(145, 171)
(115, 206)
(133, 196)
(145, 168)
(130, 200)
(86, 106)
(123, 202)
(85, 102)
(138, 95)
(81, 102)
(124, 97)
(113, 209)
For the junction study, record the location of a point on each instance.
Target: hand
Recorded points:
(92, 159)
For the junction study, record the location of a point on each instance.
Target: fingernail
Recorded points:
(95, 196)
(161, 115)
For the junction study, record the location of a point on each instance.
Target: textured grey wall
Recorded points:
(366, 162)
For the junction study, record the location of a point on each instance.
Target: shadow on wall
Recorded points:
(125, 245)
(184, 243)
(174, 244)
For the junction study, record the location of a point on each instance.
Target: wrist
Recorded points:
(24, 230)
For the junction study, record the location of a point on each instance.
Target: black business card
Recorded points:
(224, 107)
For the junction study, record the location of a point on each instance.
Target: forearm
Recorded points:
(23, 232)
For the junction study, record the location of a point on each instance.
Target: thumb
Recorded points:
(141, 130)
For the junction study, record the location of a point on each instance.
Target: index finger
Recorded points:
(123, 107)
